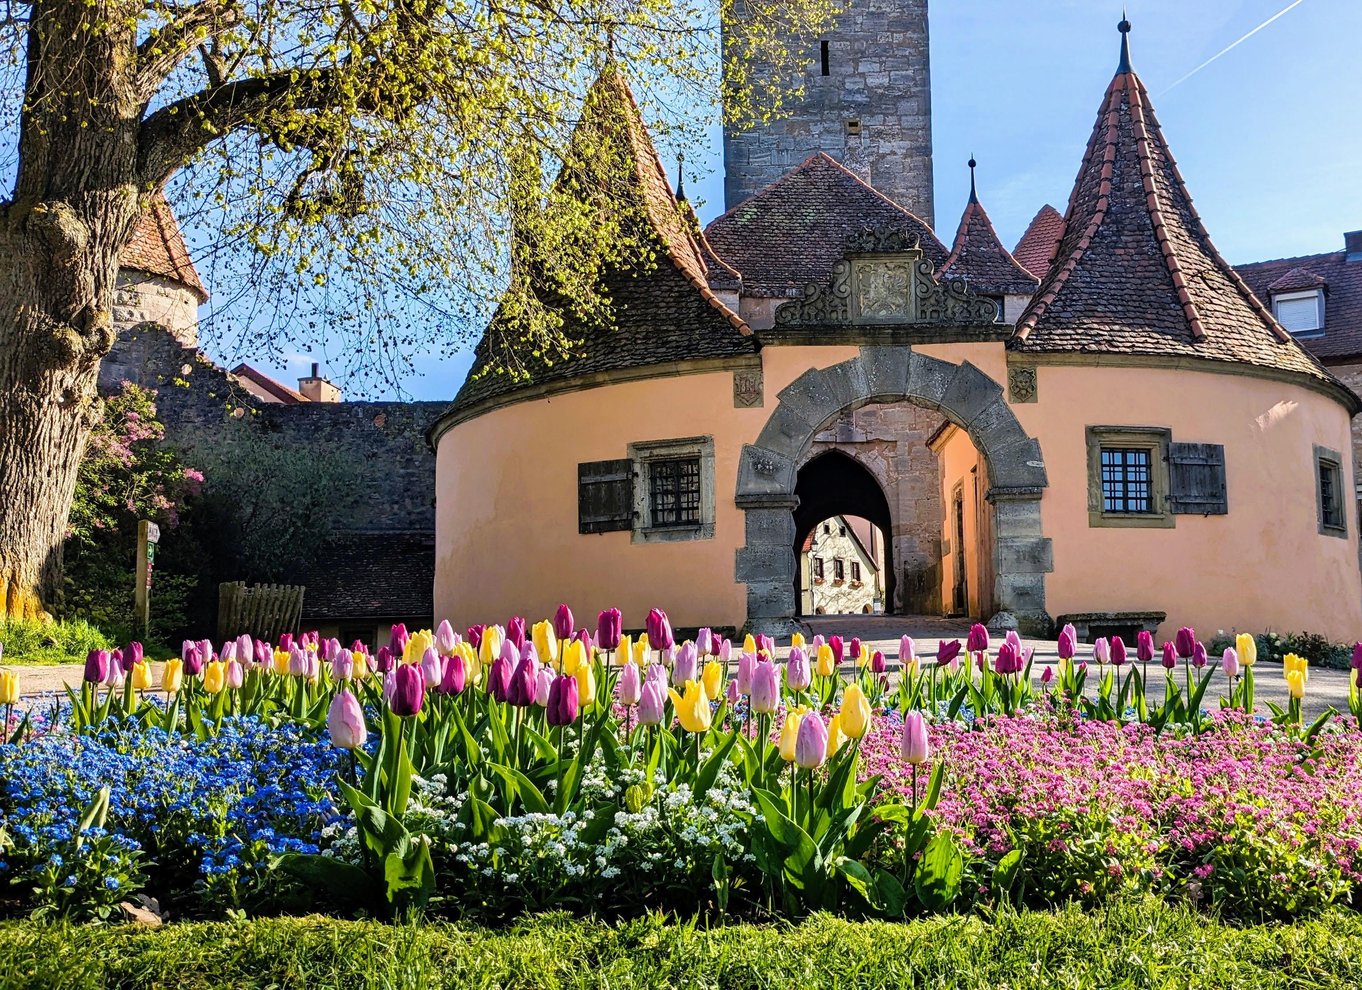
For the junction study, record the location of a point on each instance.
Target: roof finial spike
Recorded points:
(681, 178)
(1124, 28)
(973, 194)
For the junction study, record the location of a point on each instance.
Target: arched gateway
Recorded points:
(964, 395)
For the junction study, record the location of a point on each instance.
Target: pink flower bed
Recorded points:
(1238, 815)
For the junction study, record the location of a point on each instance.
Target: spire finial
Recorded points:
(681, 178)
(973, 195)
(1124, 28)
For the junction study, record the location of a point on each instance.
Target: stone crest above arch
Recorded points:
(963, 394)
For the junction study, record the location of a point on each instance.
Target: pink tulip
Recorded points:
(877, 662)
(1229, 662)
(345, 721)
(798, 674)
(659, 630)
(907, 651)
(686, 665)
(342, 666)
(446, 638)
(1170, 656)
(1199, 654)
(1068, 643)
(977, 641)
(651, 702)
(704, 641)
(914, 747)
(543, 686)
(455, 676)
(765, 693)
(747, 662)
(236, 675)
(1101, 651)
(835, 643)
(630, 685)
(563, 623)
(1118, 651)
(1144, 646)
(811, 742)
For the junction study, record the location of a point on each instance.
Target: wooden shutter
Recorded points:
(605, 496)
(1196, 479)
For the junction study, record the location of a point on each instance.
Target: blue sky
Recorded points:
(1268, 136)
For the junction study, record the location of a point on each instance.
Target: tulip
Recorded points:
(417, 644)
(1229, 662)
(397, 639)
(713, 678)
(656, 672)
(855, 711)
(409, 691)
(836, 737)
(1356, 662)
(563, 704)
(543, 685)
(588, 642)
(97, 666)
(1170, 656)
(490, 647)
(629, 686)
(765, 693)
(797, 674)
(1144, 646)
(574, 657)
(641, 650)
(747, 663)
(835, 645)
(1199, 655)
(811, 742)
(1118, 651)
(345, 721)
(563, 623)
(132, 655)
(245, 649)
(9, 687)
(445, 638)
(1067, 646)
(473, 634)
(455, 674)
(878, 664)
(297, 662)
(384, 661)
(142, 677)
(1247, 648)
(1185, 642)
(214, 676)
(524, 683)
(1295, 683)
(286, 639)
(914, 747)
(516, 632)
(725, 651)
(1047, 675)
(359, 664)
(1007, 661)
(172, 675)
(766, 643)
(659, 630)
(1101, 650)
(114, 678)
(977, 641)
(686, 665)
(545, 643)
(608, 629)
(854, 648)
(343, 666)
(704, 641)
(236, 674)
(731, 693)
(624, 652)
(499, 678)
(789, 735)
(907, 652)
(651, 702)
(1291, 663)
(586, 686)
(692, 706)
(329, 649)
(947, 651)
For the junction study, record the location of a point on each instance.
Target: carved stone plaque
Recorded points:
(747, 389)
(883, 290)
(1021, 383)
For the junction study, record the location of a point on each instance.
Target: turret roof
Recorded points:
(157, 247)
(979, 257)
(1036, 250)
(1135, 271)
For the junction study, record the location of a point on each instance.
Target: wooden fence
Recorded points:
(264, 611)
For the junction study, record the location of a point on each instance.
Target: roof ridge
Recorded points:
(962, 233)
(1297, 257)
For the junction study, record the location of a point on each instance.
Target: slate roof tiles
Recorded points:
(1036, 250)
(1342, 283)
(980, 258)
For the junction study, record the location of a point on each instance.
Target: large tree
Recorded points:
(374, 150)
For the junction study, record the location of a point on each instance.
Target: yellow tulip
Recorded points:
(713, 678)
(359, 665)
(1247, 648)
(9, 687)
(797, 640)
(835, 735)
(586, 686)
(1294, 664)
(855, 711)
(1295, 683)
(416, 647)
(471, 663)
(641, 647)
(789, 735)
(864, 657)
(142, 679)
(490, 648)
(624, 653)
(827, 665)
(281, 662)
(692, 708)
(574, 658)
(214, 676)
(545, 644)
(172, 675)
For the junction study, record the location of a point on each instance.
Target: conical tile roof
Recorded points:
(978, 256)
(157, 247)
(1135, 271)
(660, 315)
(1036, 250)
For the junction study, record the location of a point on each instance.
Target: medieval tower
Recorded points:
(867, 103)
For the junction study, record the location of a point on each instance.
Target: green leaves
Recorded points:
(937, 879)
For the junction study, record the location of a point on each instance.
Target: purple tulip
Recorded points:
(132, 656)
(384, 660)
(877, 662)
(397, 639)
(1101, 650)
(1356, 661)
(588, 645)
(977, 641)
(543, 685)
(432, 668)
(914, 746)
(562, 706)
(946, 651)
(245, 648)
(456, 675)
(235, 674)
(342, 666)
(206, 649)
(731, 693)
(630, 685)
(1229, 662)
(651, 702)
(816, 643)
(686, 666)
(835, 643)
(446, 638)
(811, 742)
(563, 623)
(509, 653)
(474, 635)
(725, 651)
(297, 662)
(1046, 675)
(1068, 643)
(286, 640)
(1198, 655)
(609, 628)
(1144, 646)
(523, 684)
(704, 641)
(1007, 660)
(499, 678)
(1185, 642)
(193, 660)
(345, 721)
(854, 648)
(798, 673)
(263, 653)
(1170, 656)
(659, 630)
(657, 672)
(517, 631)
(1118, 651)
(765, 693)
(409, 690)
(329, 649)
(746, 664)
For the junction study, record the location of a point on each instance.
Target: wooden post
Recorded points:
(148, 535)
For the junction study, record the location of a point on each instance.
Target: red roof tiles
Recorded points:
(157, 247)
(980, 258)
(1342, 283)
(1036, 250)
(278, 389)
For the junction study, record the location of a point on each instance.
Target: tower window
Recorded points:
(826, 60)
(853, 127)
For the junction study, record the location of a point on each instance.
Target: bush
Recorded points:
(35, 641)
(1129, 944)
(1319, 650)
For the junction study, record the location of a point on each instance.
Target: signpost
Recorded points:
(148, 535)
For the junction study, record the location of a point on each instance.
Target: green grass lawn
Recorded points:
(1141, 944)
(38, 643)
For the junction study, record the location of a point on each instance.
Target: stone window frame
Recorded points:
(1154, 438)
(644, 453)
(1327, 458)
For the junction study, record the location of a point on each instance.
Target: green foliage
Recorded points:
(1129, 944)
(1319, 650)
(37, 642)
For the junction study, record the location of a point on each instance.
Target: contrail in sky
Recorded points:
(1235, 44)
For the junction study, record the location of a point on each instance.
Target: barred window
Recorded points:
(674, 491)
(818, 568)
(1330, 492)
(1126, 479)
(839, 569)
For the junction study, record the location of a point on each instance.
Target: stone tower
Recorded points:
(867, 103)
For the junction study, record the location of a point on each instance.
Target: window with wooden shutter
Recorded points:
(1196, 479)
(605, 496)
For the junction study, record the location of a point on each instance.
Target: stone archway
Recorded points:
(963, 394)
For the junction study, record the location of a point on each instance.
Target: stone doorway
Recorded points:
(834, 491)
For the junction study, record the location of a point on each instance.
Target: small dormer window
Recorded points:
(1301, 313)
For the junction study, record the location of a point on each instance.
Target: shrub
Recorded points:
(35, 641)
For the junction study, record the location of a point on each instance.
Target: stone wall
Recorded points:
(878, 83)
(140, 299)
(1351, 375)
(890, 441)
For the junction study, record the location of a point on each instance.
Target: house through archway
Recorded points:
(844, 556)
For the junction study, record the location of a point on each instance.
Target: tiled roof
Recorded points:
(1036, 250)
(278, 389)
(372, 575)
(1342, 281)
(157, 247)
(662, 315)
(1136, 272)
(791, 234)
(980, 258)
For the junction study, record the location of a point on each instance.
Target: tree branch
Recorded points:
(168, 46)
